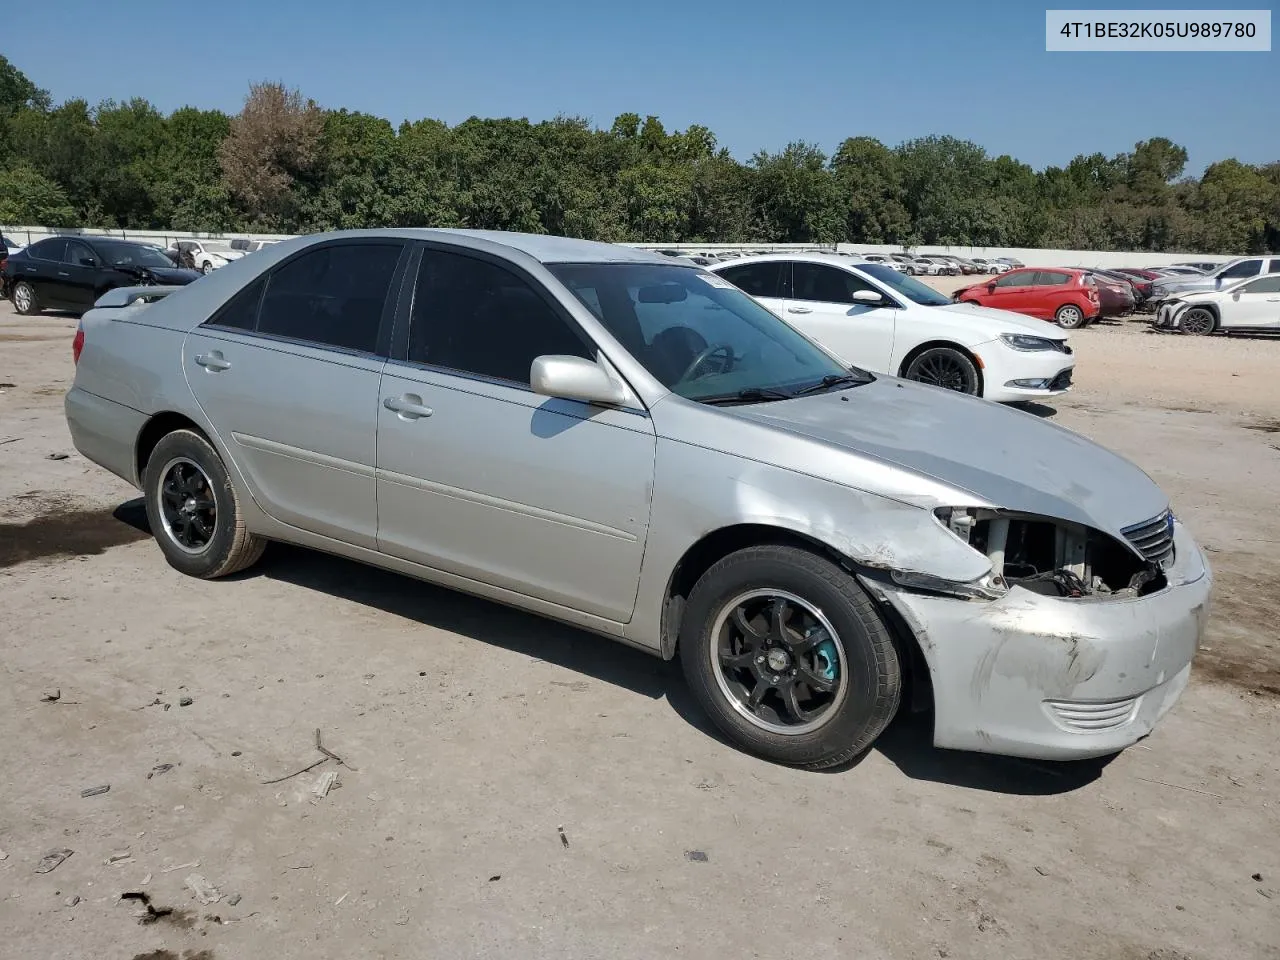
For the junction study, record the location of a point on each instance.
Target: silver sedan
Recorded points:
(632, 445)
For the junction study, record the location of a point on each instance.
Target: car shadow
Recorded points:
(1041, 410)
(907, 743)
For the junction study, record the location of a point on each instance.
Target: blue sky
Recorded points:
(759, 73)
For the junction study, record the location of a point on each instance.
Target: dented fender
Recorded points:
(698, 491)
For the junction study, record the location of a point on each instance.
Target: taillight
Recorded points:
(77, 345)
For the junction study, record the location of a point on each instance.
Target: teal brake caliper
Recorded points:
(826, 658)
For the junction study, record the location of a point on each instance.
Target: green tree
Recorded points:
(29, 199)
(1232, 204)
(796, 196)
(870, 185)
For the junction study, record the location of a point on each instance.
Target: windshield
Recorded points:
(121, 253)
(909, 287)
(700, 336)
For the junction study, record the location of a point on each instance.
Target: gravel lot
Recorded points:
(519, 789)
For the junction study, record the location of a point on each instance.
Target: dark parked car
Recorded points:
(70, 273)
(1116, 297)
(1120, 292)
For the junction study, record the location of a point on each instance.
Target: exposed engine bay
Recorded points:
(1055, 558)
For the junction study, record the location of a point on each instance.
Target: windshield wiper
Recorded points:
(834, 380)
(747, 395)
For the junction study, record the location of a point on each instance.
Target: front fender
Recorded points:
(698, 491)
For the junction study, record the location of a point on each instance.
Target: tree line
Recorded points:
(285, 165)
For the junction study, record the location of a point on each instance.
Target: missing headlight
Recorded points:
(1054, 557)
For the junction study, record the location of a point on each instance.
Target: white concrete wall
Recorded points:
(1031, 257)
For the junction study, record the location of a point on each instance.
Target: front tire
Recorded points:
(193, 510)
(1069, 317)
(25, 300)
(787, 655)
(1198, 322)
(945, 367)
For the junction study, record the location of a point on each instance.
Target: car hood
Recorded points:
(1004, 457)
(1003, 321)
(1181, 286)
(167, 275)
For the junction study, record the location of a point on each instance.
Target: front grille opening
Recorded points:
(1063, 560)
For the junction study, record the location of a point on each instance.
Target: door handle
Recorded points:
(799, 310)
(1273, 299)
(213, 362)
(63, 273)
(408, 406)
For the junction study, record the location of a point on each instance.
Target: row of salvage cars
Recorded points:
(635, 446)
(1241, 296)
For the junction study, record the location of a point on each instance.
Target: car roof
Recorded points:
(542, 247)
(835, 259)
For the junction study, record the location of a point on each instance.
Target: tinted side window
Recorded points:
(823, 284)
(477, 317)
(1245, 268)
(332, 296)
(241, 311)
(757, 279)
(1275, 265)
(1023, 278)
(1268, 284)
(55, 248)
(1051, 278)
(77, 252)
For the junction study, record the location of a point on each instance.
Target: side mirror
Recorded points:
(573, 378)
(991, 286)
(867, 297)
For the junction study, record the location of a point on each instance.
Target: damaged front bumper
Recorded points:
(1058, 678)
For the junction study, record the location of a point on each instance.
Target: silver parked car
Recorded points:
(634, 446)
(1229, 273)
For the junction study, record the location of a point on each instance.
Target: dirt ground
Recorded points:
(514, 788)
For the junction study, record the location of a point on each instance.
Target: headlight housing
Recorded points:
(1027, 343)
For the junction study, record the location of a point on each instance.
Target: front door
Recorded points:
(479, 476)
(1015, 290)
(288, 372)
(1256, 305)
(822, 307)
(78, 276)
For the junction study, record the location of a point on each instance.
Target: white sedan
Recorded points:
(1253, 305)
(204, 257)
(880, 320)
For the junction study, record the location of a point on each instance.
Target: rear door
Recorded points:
(287, 372)
(41, 269)
(822, 306)
(1050, 292)
(765, 281)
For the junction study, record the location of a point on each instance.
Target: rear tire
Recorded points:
(25, 300)
(193, 510)
(845, 651)
(1070, 317)
(206, 268)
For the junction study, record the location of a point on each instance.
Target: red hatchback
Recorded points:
(1067, 296)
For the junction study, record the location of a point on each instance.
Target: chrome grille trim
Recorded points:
(1153, 538)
